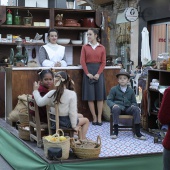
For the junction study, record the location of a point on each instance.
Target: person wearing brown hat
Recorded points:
(122, 98)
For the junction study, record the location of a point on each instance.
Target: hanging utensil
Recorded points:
(33, 53)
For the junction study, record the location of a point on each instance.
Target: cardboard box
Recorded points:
(36, 23)
(42, 24)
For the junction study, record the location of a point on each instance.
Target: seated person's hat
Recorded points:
(123, 73)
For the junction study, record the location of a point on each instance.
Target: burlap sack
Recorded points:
(20, 108)
(14, 114)
(23, 98)
(106, 111)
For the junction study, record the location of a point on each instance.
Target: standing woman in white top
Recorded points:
(52, 54)
(66, 98)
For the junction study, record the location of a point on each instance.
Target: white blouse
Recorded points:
(67, 107)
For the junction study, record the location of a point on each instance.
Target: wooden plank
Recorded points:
(2, 94)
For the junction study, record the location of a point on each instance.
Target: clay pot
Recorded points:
(71, 22)
(88, 22)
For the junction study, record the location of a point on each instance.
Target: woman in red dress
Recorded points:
(93, 61)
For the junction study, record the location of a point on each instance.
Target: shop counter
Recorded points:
(19, 80)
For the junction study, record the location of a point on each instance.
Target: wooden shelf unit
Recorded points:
(39, 15)
(153, 95)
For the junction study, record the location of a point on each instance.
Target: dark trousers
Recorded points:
(133, 110)
(166, 159)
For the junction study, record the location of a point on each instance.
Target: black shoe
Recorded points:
(99, 123)
(140, 136)
(114, 136)
(94, 123)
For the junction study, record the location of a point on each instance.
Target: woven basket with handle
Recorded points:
(86, 149)
(23, 132)
(65, 145)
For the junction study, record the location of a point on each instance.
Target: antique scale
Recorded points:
(18, 59)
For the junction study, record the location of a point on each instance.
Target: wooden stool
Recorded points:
(36, 128)
(122, 127)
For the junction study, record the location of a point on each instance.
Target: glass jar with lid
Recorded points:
(162, 61)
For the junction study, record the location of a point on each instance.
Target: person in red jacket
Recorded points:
(93, 61)
(164, 118)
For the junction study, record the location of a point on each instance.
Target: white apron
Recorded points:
(55, 56)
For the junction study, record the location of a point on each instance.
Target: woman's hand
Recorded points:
(36, 85)
(96, 77)
(58, 64)
(90, 76)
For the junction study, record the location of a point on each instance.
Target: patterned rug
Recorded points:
(125, 144)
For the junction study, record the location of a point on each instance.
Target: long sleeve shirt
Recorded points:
(67, 107)
(122, 99)
(164, 116)
(50, 54)
(90, 55)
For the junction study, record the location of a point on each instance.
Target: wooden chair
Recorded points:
(122, 127)
(53, 116)
(36, 127)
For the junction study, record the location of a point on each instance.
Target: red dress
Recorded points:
(164, 116)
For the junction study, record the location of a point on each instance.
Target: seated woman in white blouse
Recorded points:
(52, 54)
(66, 98)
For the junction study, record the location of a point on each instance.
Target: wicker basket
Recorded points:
(87, 149)
(65, 145)
(23, 133)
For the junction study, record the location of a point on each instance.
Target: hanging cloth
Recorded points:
(145, 49)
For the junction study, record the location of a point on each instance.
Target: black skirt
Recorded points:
(64, 122)
(92, 89)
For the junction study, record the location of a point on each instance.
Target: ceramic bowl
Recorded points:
(63, 41)
(76, 42)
